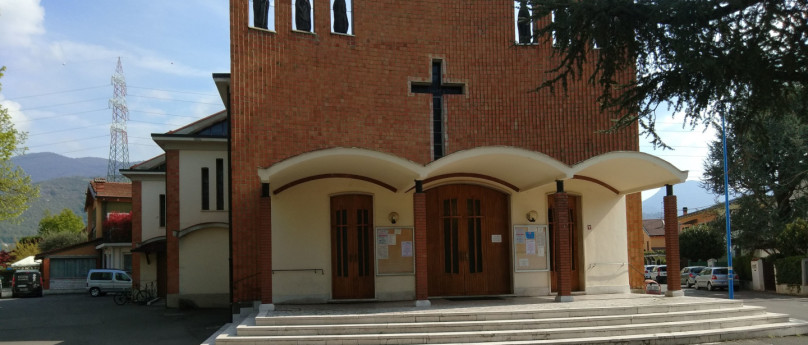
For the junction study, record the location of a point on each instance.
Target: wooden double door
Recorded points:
(352, 245)
(468, 241)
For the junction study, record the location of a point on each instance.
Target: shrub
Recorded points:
(742, 265)
(789, 270)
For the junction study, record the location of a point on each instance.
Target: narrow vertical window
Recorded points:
(523, 23)
(262, 14)
(342, 17)
(302, 15)
(205, 189)
(560, 36)
(162, 210)
(220, 184)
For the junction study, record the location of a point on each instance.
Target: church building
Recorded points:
(398, 150)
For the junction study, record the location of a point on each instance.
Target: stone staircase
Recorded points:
(689, 321)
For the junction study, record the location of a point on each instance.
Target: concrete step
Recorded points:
(441, 315)
(526, 336)
(496, 325)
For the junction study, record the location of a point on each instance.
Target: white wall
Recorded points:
(151, 190)
(204, 268)
(301, 239)
(191, 164)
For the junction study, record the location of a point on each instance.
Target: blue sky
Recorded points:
(60, 56)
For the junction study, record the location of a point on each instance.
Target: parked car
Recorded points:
(660, 274)
(648, 269)
(102, 281)
(715, 278)
(26, 282)
(689, 275)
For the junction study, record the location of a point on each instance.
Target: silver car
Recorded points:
(715, 278)
(689, 275)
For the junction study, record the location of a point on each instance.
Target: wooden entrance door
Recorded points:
(468, 241)
(352, 247)
(575, 240)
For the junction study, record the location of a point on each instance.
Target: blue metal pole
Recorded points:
(730, 273)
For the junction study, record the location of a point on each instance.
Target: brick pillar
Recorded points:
(634, 232)
(421, 282)
(563, 255)
(172, 226)
(672, 243)
(265, 248)
(137, 227)
(45, 274)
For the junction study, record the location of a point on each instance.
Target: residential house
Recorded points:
(654, 234)
(108, 206)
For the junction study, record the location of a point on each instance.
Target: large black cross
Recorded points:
(437, 88)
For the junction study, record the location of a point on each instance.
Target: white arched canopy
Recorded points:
(622, 172)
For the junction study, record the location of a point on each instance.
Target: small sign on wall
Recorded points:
(496, 238)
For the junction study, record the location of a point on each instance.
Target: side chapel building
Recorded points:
(397, 151)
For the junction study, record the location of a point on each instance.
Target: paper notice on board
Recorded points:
(520, 237)
(524, 262)
(406, 249)
(531, 235)
(530, 247)
(540, 251)
(391, 239)
(382, 252)
(381, 237)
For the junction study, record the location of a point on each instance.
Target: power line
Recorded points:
(58, 92)
(176, 91)
(174, 100)
(57, 105)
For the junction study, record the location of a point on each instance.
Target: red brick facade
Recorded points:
(671, 241)
(172, 222)
(137, 226)
(294, 92)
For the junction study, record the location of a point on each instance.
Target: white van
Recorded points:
(102, 281)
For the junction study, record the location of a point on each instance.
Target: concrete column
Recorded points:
(672, 243)
(419, 211)
(265, 248)
(562, 244)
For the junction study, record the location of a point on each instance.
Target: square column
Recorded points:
(672, 243)
(419, 211)
(172, 229)
(265, 248)
(563, 254)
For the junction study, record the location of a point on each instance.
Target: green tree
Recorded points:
(60, 240)
(768, 164)
(698, 57)
(701, 242)
(793, 241)
(65, 221)
(24, 249)
(16, 190)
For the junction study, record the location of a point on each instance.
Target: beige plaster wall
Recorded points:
(204, 268)
(148, 270)
(151, 190)
(301, 238)
(191, 164)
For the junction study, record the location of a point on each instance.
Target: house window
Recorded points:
(220, 184)
(127, 265)
(205, 189)
(342, 17)
(523, 23)
(262, 14)
(302, 15)
(162, 210)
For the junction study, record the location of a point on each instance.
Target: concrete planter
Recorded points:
(789, 289)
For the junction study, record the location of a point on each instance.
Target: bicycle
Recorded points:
(136, 295)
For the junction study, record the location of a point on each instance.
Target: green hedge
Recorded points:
(742, 265)
(789, 270)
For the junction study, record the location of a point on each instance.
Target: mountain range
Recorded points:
(689, 194)
(62, 184)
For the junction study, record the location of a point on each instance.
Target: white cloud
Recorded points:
(18, 117)
(20, 22)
